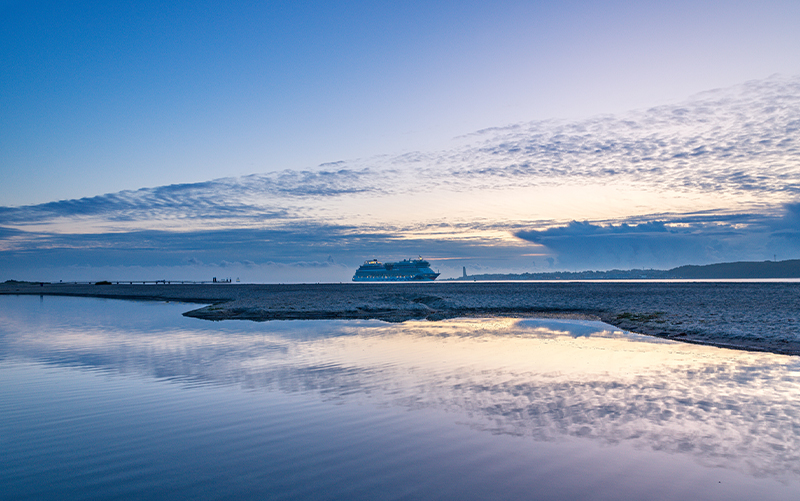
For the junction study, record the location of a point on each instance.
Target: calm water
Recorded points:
(105, 399)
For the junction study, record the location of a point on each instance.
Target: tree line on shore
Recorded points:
(742, 269)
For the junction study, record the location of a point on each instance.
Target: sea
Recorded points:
(108, 399)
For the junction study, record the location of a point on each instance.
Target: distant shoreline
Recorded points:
(753, 316)
(624, 280)
(741, 270)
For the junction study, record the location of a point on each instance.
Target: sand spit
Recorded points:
(751, 316)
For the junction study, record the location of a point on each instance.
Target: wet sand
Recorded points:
(751, 316)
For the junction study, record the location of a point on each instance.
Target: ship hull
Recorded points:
(393, 279)
(408, 270)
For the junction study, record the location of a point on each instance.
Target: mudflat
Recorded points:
(762, 316)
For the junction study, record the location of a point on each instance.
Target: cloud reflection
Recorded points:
(544, 379)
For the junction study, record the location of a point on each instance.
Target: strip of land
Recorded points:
(738, 270)
(752, 316)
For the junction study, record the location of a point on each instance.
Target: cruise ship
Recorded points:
(401, 271)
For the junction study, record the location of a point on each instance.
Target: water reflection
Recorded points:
(545, 379)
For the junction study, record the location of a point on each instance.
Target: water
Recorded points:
(103, 399)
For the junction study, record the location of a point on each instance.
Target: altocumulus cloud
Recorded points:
(735, 141)
(255, 196)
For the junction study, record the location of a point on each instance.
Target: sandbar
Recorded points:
(750, 316)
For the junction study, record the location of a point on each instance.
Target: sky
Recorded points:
(290, 141)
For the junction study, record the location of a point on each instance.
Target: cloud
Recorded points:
(9, 232)
(257, 196)
(730, 141)
(788, 226)
(334, 251)
(735, 140)
(672, 241)
(735, 152)
(301, 245)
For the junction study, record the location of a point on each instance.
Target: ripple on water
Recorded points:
(163, 406)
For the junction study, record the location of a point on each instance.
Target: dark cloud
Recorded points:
(9, 232)
(301, 244)
(674, 241)
(585, 244)
(788, 226)
(663, 242)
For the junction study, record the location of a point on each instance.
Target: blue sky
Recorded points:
(295, 139)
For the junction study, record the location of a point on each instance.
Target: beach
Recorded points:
(756, 316)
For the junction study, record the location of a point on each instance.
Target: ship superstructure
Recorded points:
(401, 271)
